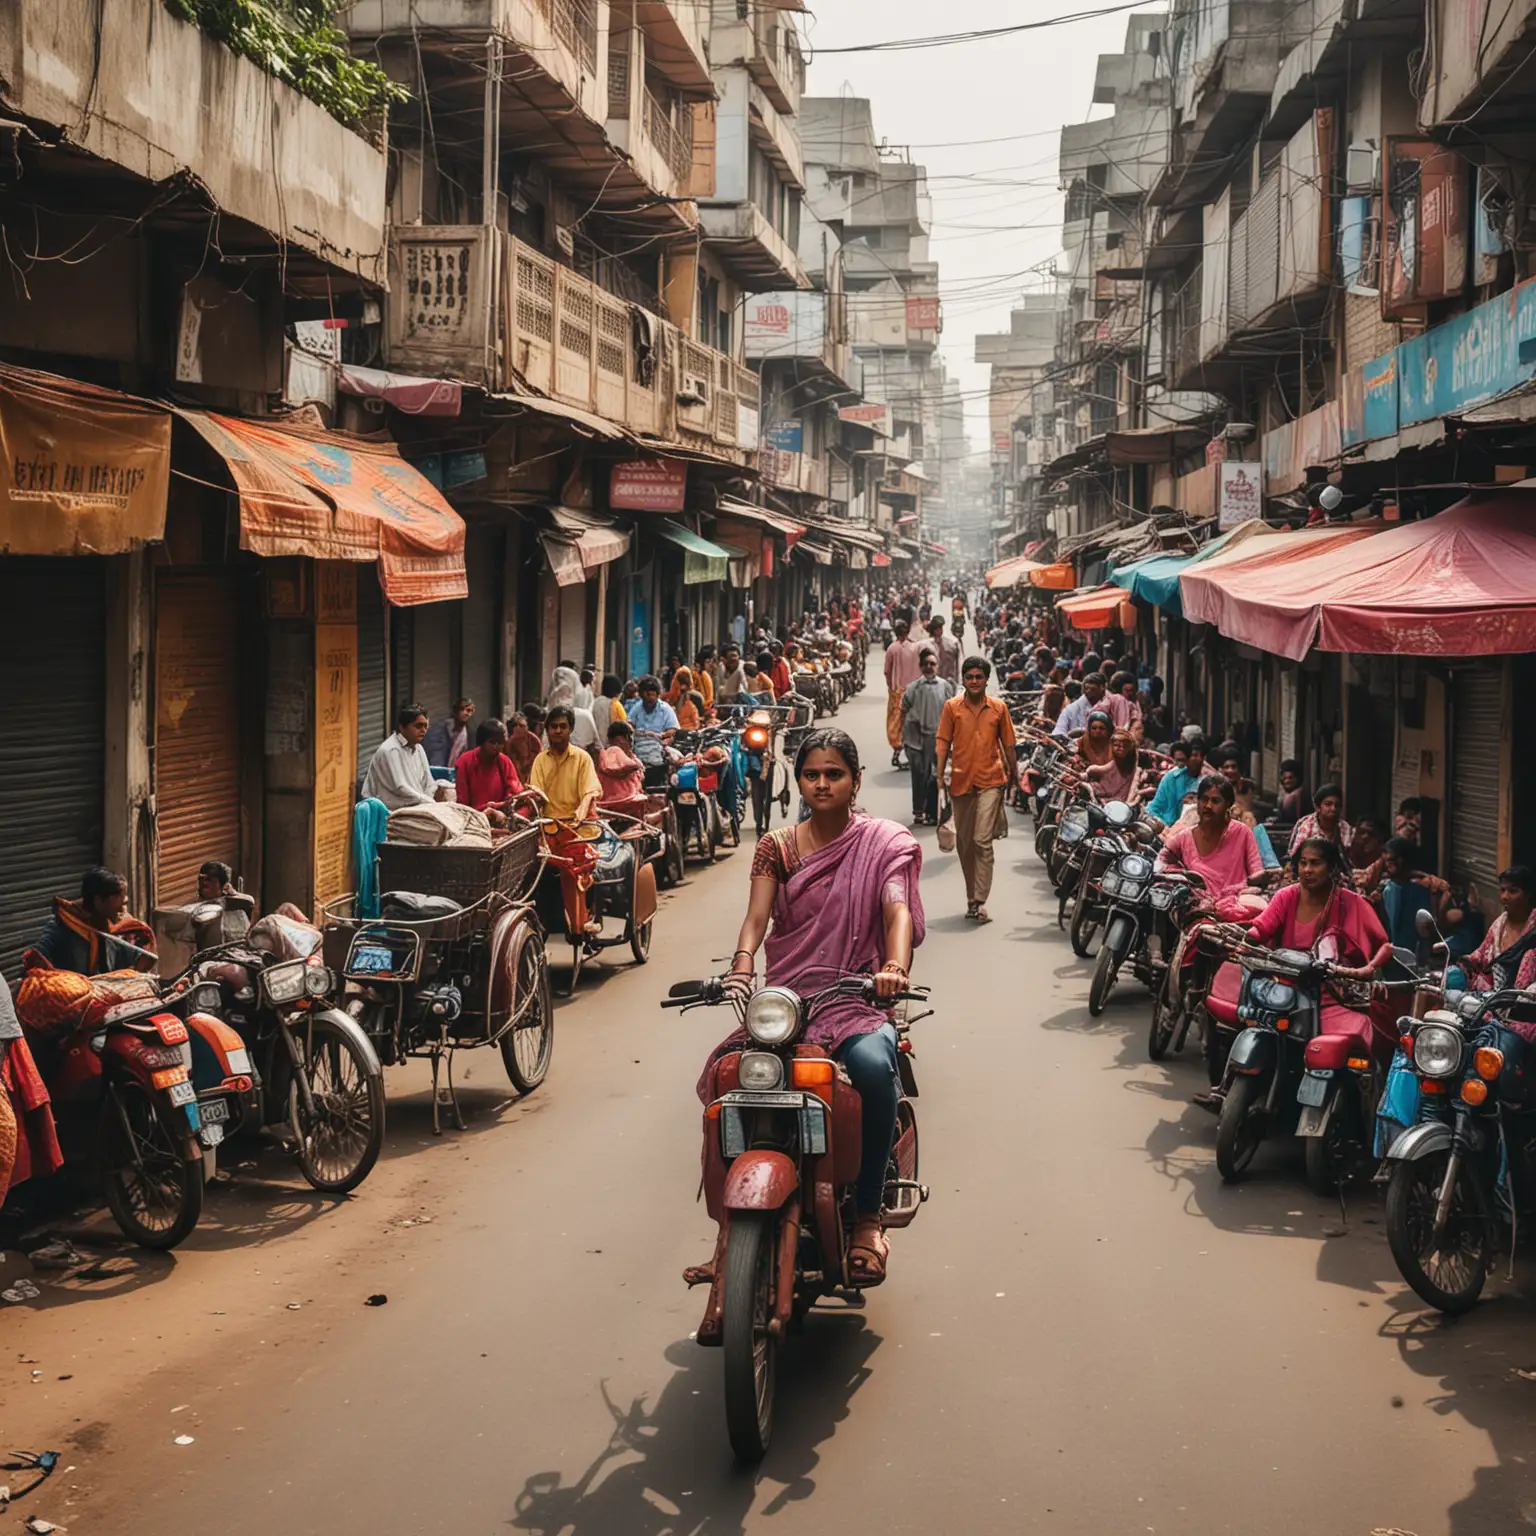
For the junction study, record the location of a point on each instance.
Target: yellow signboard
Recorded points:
(335, 740)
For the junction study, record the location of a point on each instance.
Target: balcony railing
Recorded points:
(477, 304)
(575, 24)
(673, 139)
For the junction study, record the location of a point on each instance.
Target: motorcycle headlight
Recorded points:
(1136, 866)
(773, 1016)
(284, 983)
(760, 1071)
(1074, 825)
(317, 980)
(1437, 1050)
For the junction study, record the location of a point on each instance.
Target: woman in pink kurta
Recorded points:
(1221, 850)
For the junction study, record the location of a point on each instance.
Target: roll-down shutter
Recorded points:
(1477, 749)
(573, 624)
(432, 683)
(373, 722)
(482, 659)
(198, 679)
(52, 757)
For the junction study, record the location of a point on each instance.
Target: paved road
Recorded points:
(1083, 1333)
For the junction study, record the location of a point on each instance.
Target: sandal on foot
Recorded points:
(980, 914)
(970, 911)
(1210, 1101)
(867, 1255)
(699, 1274)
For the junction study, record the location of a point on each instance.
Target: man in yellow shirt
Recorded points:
(565, 775)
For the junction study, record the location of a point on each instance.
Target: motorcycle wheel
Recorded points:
(748, 1347)
(1105, 974)
(677, 858)
(1165, 1020)
(1450, 1280)
(1044, 835)
(526, 1050)
(1240, 1129)
(706, 841)
(155, 1195)
(338, 1147)
(1085, 926)
(735, 829)
(640, 940)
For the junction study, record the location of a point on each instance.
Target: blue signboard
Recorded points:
(640, 638)
(785, 437)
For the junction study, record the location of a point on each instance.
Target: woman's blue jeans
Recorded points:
(870, 1061)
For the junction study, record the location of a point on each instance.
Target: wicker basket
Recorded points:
(466, 875)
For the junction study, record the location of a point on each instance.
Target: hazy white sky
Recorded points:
(997, 209)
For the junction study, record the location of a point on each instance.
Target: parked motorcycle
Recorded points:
(781, 1157)
(694, 784)
(1141, 916)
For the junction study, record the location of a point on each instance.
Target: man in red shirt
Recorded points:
(486, 778)
(783, 684)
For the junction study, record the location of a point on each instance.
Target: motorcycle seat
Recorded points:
(413, 907)
(1226, 987)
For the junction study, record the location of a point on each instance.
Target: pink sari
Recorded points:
(1226, 870)
(829, 920)
(1355, 928)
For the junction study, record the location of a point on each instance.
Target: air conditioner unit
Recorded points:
(694, 390)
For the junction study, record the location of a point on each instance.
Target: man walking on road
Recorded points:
(947, 648)
(901, 671)
(921, 706)
(976, 742)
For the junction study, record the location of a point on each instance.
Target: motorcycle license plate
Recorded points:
(687, 797)
(1313, 1091)
(182, 1093)
(371, 959)
(215, 1111)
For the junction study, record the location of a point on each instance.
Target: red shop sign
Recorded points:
(649, 485)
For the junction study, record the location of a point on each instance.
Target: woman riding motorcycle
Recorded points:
(1219, 849)
(841, 890)
(1121, 778)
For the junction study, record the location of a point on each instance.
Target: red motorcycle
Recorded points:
(782, 1148)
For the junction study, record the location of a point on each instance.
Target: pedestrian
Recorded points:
(947, 648)
(563, 688)
(901, 671)
(448, 740)
(399, 773)
(976, 745)
(655, 723)
(523, 741)
(921, 706)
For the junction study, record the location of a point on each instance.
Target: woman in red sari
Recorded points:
(841, 892)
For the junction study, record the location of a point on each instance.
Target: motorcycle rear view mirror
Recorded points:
(686, 989)
(1424, 923)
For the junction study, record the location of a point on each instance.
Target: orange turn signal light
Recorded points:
(1489, 1061)
(1474, 1091)
(1282, 1023)
(816, 1075)
(1405, 1044)
(713, 1112)
(168, 1077)
(1358, 1064)
(1429, 1085)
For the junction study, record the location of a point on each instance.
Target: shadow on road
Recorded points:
(668, 1467)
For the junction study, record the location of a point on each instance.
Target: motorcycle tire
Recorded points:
(677, 860)
(640, 940)
(526, 1051)
(1322, 1156)
(332, 1053)
(1165, 1020)
(1085, 926)
(1413, 1192)
(749, 1350)
(131, 1130)
(1105, 974)
(1045, 835)
(1240, 1130)
(706, 849)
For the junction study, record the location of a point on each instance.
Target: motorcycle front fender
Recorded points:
(347, 1025)
(760, 1181)
(1420, 1141)
(1253, 1052)
(1121, 934)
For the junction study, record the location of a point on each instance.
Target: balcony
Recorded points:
(480, 306)
(765, 41)
(754, 251)
(270, 159)
(674, 35)
(775, 135)
(1481, 66)
(657, 135)
(794, 472)
(555, 68)
(808, 329)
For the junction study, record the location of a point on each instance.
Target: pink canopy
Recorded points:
(1460, 584)
(1264, 592)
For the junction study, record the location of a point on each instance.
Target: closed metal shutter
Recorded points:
(432, 681)
(402, 630)
(482, 650)
(573, 625)
(1478, 728)
(373, 711)
(197, 729)
(52, 790)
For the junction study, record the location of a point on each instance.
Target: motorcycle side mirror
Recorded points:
(1424, 923)
(686, 989)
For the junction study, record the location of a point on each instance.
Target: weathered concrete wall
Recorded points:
(157, 96)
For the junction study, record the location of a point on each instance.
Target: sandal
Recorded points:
(699, 1274)
(980, 914)
(867, 1253)
(1211, 1100)
(970, 911)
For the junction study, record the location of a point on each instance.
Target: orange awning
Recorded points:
(1011, 572)
(1092, 610)
(86, 470)
(1061, 577)
(333, 496)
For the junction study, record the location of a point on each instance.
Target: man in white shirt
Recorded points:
(399, 773)
(1075, 716)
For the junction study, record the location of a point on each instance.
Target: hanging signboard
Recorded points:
(871, 414)
(648, 485)
(922, 312)
(1242, 494)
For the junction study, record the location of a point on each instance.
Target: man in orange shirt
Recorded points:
(976, 742)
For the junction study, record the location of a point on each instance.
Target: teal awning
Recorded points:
(702, 560)
(1155, 579)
